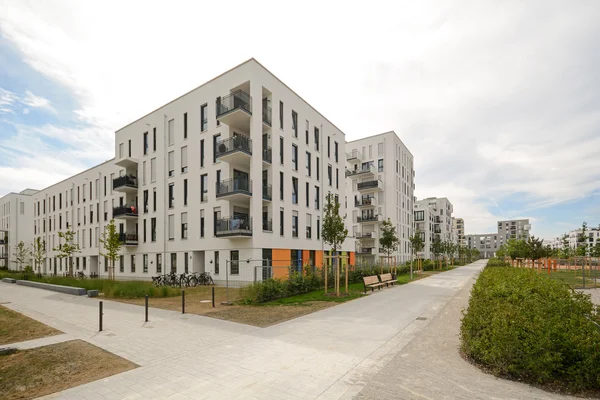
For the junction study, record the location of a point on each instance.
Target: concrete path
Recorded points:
(431, 367)
(329, 354)
(45, 341)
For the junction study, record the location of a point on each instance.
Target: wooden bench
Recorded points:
(372, 282)
(387, 279)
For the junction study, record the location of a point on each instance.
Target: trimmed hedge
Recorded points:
(527, 327)
(497, 262)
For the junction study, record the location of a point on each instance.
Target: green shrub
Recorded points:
(497, 262)
(527, 327)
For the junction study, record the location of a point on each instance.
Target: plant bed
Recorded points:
(16, 327)
(527, 327)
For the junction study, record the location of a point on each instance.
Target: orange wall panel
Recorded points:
(352, 258)
(281, 258)
(305, 257)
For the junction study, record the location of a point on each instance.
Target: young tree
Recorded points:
(535, 248)
(566, 252)
(112, 245)
(474, 254)
(437, 248)
(451, 251)
(67, 248)
(39, 253)
(416, 245)
(21, 254)
(388, 240)
(582, 241)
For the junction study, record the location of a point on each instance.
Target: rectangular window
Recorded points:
(235, 262)
(318, 168)
(307, 194)
(307, 134)
(308, 164)
(335, 151)
(145, 258)
(153, 199)
(185, 125)
(328, 146)
(159, 263)
(184, 226)
(201, 223)
(145, 143)
(281, 220)
(203, 118)
(204, 187)
(295, 224)
(144, 230)
(380, 165)
(295, 157)
(59, 201)
(281, 150)
(171, 132)
(174, 263)
(121, 263)
(330, 174)
(295, 123)
(153, 229)
(171, 227)
(316, 138)
(317, 197)
(146, 201)
(185, 263)
(308, 226)
(294, 190)
(215, 142)
(171, 195)
(281, 185)
(128, 152)
(133, 263)
(217, 263)
(185, 192)
(143, 174)
(281, 114)
(337, 178)
(171, 163)
(318, 229)
(202, 153)
(153, 139)
(184, 160)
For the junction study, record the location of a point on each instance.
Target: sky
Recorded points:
(499, 101)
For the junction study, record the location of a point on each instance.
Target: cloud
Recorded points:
(34, 101)
(25, 111)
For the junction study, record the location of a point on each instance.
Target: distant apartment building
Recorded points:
(574, 239)
(489, 243)
(433, 219)
(379, 186)
(16, 225)
(458, 229)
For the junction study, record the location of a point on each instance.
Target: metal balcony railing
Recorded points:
(266, 115)
(364, 235)
(125, 181)
(267, 225)
(128, 238)
(370, 184)
(367, 218)
(233, 144)
(131, 211)
(364, 201)
(237, 100)
(267, 154)
(233, 186)
(368, 250)
(362, 170)
(235, 226)
(267, 192)
(354, 155)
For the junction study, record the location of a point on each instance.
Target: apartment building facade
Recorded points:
(16, 221)
(234, 172)
(489, 243)
(573, 238)
(379, 186)
(433, 219)
(458, 229)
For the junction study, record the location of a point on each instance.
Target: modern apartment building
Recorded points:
(230, 175)
(433, 219)
(16, 221)
(379, 186)
(489, 243)
(592, 238)
(458, 229)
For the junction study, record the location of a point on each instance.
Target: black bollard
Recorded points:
(213, 296)
(100, 317)
(146, 308)
(183, 301)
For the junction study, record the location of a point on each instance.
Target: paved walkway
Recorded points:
(45, 341)
(329, 354)
(431, 367)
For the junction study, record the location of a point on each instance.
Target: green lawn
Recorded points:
(575, 278)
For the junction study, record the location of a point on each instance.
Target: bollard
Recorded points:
(213, 296)
(146, 308)
(100, 316)
(183, 301)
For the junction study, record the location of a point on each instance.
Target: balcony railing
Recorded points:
(233, 144)
(367, 218)
(368, 250)
(370, 184)
(364, 235)
(267, 192)
(267, 225)
(3, 241)
(267, 154)
(236, 226)
(3, 256)
(127, 211)
(368, 169)
(238, 100)
(266, 115)
(125, 181)
(354, 155)
(233, 186)
(364, 201)
(128, 238)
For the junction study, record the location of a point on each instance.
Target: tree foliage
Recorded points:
(39, 252)
(388, 240)
(437, 248)
(67, 248)
(112, 245)
(21, 254)
(582, 241)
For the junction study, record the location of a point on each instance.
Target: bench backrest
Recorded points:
(369, 280)
(386, 277)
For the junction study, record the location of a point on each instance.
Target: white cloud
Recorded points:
(34, 101)
(492, 98)
(26, 111)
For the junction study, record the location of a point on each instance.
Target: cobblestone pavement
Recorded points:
(329, 354)
(430, 367)
(594, 293)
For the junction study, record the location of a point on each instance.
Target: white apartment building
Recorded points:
(593, 237)
(458, 231)
(233, 172)
(16, 222)
(379, 186)
(489, 243)
(433, 218)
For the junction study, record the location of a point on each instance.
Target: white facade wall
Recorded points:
(393, 165)
(16, 225)
(433, 217)
(489, 243)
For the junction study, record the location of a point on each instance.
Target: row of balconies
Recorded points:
(367, 251)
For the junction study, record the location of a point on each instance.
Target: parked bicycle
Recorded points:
(183, 280)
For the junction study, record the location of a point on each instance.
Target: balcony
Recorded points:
(127, 163)
(235, 110)
(267, 155)
(3, 242)
(125, 212)
(368, 218)
(365, 202)
(267, 225)
(235, 189)
(267, 192)
(125, 184)
(3, 256)
(128, 239)
(368, 251)
(370, 186)
(367, 171)
(235, 150)
(354, 156)
(266, 115)
(234, 227)
(365, 236)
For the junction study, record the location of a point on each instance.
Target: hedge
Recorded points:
(525, 326)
